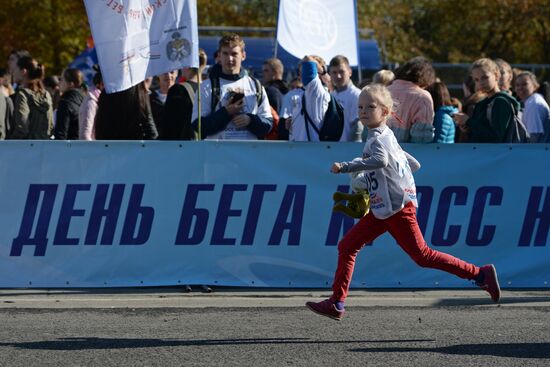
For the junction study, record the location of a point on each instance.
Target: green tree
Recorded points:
(54, 31)
(460, 31)
(241, 13)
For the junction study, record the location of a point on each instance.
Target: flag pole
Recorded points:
(277, 29)
(199, 101)
(359, 72)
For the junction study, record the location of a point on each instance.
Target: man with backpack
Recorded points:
(178, 109)
(234, 105)
(316, 115)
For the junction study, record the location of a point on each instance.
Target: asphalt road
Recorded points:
(165, 327)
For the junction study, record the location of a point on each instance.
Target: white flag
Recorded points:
(136, 39)
(320, 27)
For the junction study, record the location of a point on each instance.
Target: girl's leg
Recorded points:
(365, 231)
(404, 228)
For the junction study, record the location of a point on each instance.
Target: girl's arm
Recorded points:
(377, 159)
(413, 163)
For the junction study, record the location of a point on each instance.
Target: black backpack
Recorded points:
(333, 122)
(516, 132)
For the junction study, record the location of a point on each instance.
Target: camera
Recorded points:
(235, 96)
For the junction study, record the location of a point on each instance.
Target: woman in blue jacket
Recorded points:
(443, 121)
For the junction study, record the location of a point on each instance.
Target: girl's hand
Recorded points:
(460, 119)
(335, 167)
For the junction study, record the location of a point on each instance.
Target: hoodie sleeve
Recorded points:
(211, 122)
(21, 128)
(317, 98)
(261, 122)
(378, 159)
(501, 115)
(62, 121)
(148, 127)
(87, 114)
(3, 116)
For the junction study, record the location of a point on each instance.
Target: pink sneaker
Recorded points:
(326, 308)
(490, 283)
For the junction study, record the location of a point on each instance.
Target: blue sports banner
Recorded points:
(109, 214)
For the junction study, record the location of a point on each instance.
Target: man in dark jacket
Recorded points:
(178, 109)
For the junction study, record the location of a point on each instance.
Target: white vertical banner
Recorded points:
(319, 27)
(136, 39)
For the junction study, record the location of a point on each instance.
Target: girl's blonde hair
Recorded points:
(380, 94)
(487, 65)
(384, 77)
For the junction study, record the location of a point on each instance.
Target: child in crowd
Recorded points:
(444, 110)
(392, 190)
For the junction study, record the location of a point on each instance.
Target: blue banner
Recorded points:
(108, 214)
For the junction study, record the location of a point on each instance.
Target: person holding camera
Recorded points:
(234, 105)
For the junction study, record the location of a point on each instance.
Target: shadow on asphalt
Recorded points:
(98, 291)
(512, 350)
(450, 302)
(117, 343)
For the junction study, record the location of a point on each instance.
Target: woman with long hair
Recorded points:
(412, 121)
(444, 110)
(33, 104)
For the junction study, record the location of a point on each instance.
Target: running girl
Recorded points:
(393, 208)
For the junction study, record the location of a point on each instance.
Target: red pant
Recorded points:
(404, 228)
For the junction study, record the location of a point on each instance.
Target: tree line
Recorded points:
(446, 31)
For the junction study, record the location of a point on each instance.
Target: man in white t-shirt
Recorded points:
(347, 95)
(234, 105)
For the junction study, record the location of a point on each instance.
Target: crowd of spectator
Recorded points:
(235, 105)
